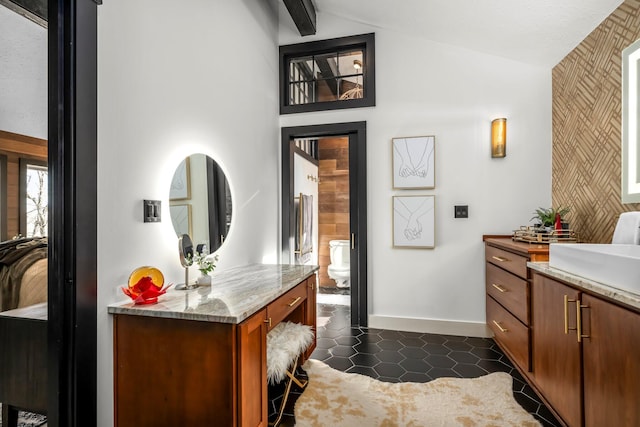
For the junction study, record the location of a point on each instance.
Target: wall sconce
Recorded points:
(499, 137)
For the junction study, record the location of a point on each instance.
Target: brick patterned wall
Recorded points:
(333, 221)
(587, 113)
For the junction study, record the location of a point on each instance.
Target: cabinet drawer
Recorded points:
(507, 260)
(283, 306)
(512, 335)
(510, 291)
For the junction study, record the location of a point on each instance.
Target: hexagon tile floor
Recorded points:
(406, 356)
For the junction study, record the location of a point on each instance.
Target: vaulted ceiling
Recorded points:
(539, 32)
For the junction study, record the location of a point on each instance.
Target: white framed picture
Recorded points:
(414, 162)
(181, 182)
(414, 222)
(181, 219)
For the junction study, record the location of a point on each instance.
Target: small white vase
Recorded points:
(204, 280)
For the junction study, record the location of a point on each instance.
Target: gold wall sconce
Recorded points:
(499, 137)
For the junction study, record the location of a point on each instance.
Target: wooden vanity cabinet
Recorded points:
(556, 354)
(252, 371)
(173, 371)
(311, 314)
(588, 370)
(508, 295)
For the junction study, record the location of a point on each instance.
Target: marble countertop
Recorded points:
(233, 296)
(33, 312)
(624, 297)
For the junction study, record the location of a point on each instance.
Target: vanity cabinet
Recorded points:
(556, 352)
(585, 355)
(508, 295)
(206, 363)
(311, 314)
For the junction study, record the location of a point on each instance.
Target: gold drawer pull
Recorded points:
(292, 303)
(268, 321)
(499, 287)
(500, 327)
(566, 314)
(499, 258)
(579, 308)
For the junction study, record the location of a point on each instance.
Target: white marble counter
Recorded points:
(624, 297)
(233, 296)
(34, 312)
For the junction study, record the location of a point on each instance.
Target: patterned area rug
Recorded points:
(337, 399)
(27, 419)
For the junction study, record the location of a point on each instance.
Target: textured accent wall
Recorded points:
(587, 113)
(333, 221)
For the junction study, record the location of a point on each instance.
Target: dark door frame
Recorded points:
(72, 272)
(357, 133)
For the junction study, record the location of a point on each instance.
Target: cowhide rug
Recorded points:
(337, 399)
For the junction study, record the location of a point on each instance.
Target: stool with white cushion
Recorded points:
(285, 343)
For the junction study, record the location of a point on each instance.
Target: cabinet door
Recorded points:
(556, 354)
(611, 354)
(311, 314)
(252, 371)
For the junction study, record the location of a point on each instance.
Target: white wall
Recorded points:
(428, 88)
(23, 75)
(176, 78)
(302, 169)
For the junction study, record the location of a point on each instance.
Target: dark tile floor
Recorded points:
(406, 356)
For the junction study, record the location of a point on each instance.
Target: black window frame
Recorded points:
(365, 42)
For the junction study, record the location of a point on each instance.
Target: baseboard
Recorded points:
(431, 326)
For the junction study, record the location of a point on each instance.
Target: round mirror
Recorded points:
(200, 202)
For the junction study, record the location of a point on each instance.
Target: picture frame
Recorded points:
(414, 160)
(414, 221)
(181, 219)
(181, 182)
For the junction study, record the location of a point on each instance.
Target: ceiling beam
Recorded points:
(34, 10)
(303, 14)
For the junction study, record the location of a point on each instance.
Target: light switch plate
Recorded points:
(461, 211)
(151, 210)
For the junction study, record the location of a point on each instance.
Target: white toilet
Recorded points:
(340, 268)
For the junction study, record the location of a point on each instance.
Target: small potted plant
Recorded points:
(546, 217)
(206, 264)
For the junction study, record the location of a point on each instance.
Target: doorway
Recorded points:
(342, 216)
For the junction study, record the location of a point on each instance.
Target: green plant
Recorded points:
(205, 264)
(547, 216)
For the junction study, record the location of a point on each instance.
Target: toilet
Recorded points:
(340, 268)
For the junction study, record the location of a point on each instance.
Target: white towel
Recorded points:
(627, 230)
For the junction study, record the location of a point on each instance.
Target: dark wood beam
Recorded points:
(34, 10)
(303, 14)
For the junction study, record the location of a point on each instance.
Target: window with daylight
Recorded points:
(34, 203)
(327, 74)
(3, 198)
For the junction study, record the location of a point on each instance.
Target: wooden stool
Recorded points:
(285, 343)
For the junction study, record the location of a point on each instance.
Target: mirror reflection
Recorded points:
(200, 202)
(630, 124)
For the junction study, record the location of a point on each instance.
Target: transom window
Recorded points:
(327, 74)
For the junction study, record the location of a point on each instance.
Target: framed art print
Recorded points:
(414, 162)
(181, 182)
(414, 222)
(181, 219)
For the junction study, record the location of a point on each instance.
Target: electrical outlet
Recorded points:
(461, 211)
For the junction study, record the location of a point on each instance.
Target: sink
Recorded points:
(615, 265)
